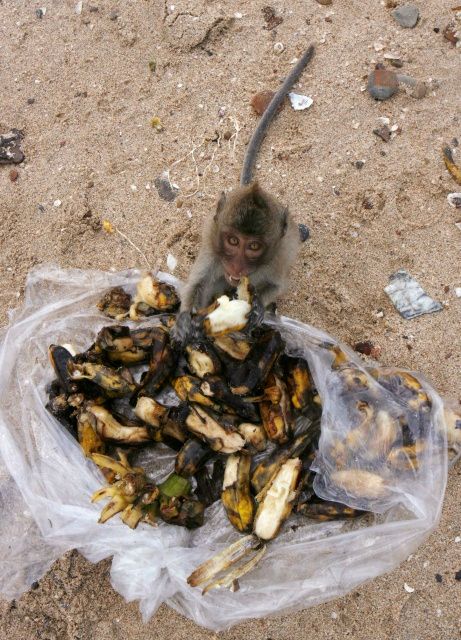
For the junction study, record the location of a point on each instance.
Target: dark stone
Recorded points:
(382, 83)
(438, 577)
(383, 132)
(10, 151)
(359, 164)
(30, 100)
(458, 575)
(165, 189)
(304, 232)
(407, 15)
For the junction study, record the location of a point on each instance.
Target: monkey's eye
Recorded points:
(255, 246)
(233, 240)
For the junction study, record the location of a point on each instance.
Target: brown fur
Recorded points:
(272, 223)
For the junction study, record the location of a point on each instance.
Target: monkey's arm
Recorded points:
(269, 113)
(204, 281)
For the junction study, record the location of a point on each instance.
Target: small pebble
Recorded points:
(382, 83)
(279, 48)
(14, 175)
(57, 203)
(407, 15)
(40, 12)
(458, 292)
(299, 102)
(79, 7)
(394, 59)
(454, 200)
(419, 91)
(166, 190)
(383, 132)
(113, 15)
(260, 101)
(304, 232)
(359, 164)
(438, 577)
(30, 100)
(458, 539)
(458, 575)
(407, 588)
(334, 615)
(451, 33)
(325, 3)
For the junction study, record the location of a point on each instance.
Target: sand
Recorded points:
(92, 154)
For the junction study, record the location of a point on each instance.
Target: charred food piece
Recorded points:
(252, 373)
(123, 346)
(230, 315)
(115, 383)
(202, 359)
(188, 388)
(254, 436)
(278, 501)
(60, 358)
(153, 297)
(205, 426)
(209, 487)
(236, 496)
(161, 364)
(216, 388)
(324, 511)
(299, 383)
(108, 427)
(276, 410)
(267, 468)
(191, 457)
(236, 345)
(115, 303)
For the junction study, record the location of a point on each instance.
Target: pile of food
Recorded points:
(221, 388)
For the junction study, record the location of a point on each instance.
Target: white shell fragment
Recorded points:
(299, 102)
(454, 199)
(407, 588)
(171, 262)
(79, 7)
(408, 297)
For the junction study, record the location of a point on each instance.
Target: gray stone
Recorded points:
(407, 15)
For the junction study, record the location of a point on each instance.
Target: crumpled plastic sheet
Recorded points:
(46, 483)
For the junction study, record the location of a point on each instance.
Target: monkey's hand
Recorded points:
(182, 329)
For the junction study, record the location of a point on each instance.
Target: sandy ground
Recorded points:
(90, 146)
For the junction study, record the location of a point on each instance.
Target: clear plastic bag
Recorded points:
(307, 564)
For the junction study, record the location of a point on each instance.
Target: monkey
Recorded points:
(251, 233)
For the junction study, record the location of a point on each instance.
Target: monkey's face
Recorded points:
(240, 254)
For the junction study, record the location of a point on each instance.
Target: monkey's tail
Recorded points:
(261, 129)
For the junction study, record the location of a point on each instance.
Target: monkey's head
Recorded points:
(248, 226)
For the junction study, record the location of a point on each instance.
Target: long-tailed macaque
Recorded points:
(251, 233)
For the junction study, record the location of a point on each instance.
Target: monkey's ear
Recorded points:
(220, 205)
(284, 221)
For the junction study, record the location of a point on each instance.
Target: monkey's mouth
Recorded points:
(231, 280)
